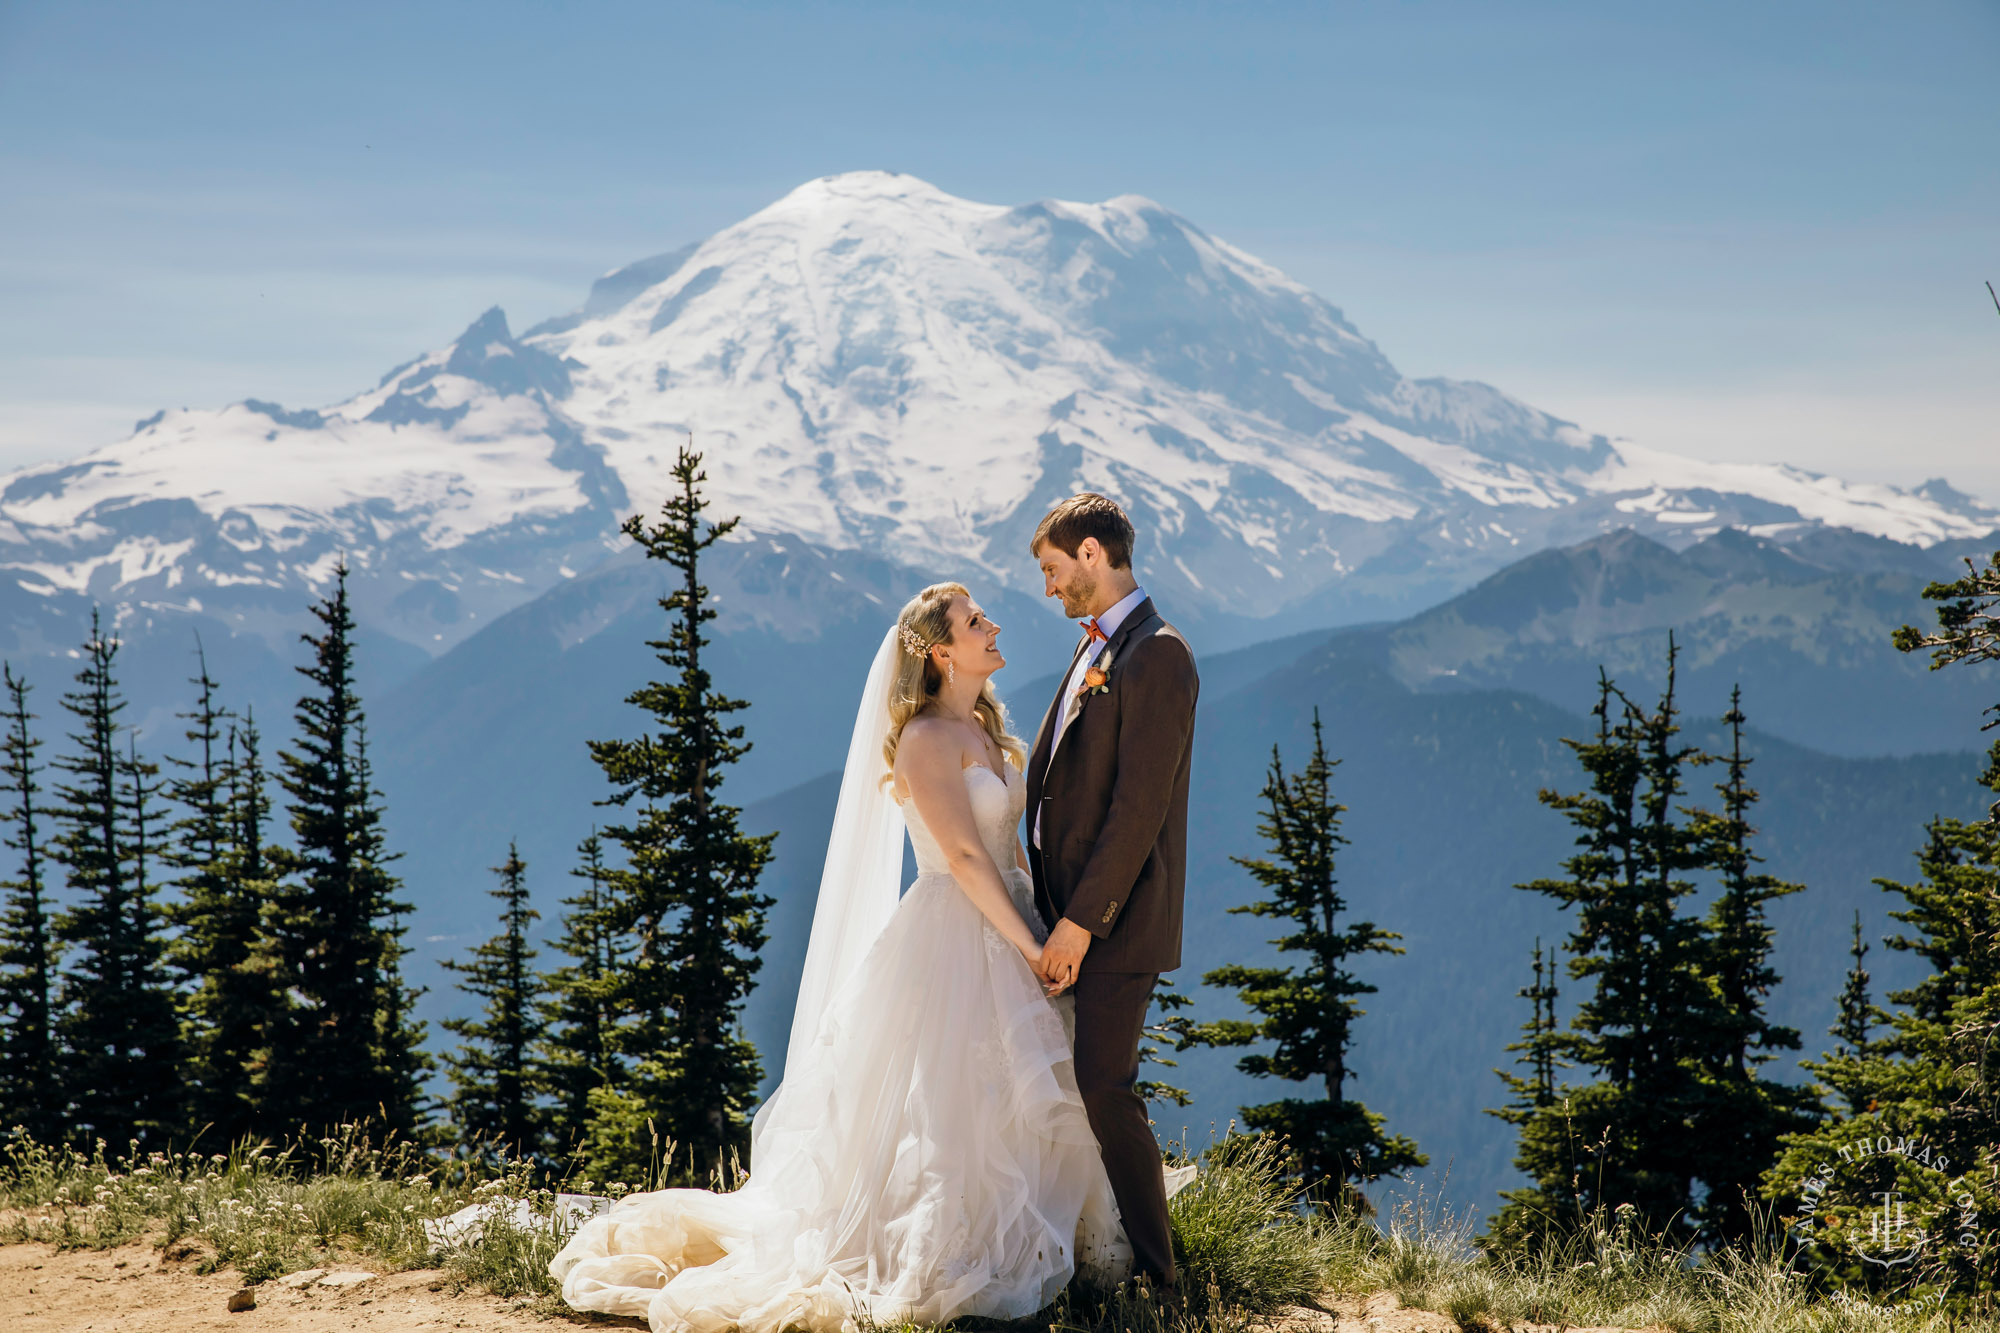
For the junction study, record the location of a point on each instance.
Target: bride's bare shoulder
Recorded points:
(927, 746)
(925, 737)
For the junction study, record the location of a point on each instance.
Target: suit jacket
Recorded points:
(1113, 801)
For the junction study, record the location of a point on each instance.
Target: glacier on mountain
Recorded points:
(871, 365)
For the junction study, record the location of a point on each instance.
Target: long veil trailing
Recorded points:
(864, 862)
(926, 1154)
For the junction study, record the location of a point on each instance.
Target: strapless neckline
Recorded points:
(1005, 778)
(996, 802)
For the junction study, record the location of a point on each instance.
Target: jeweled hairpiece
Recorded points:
(913, 642)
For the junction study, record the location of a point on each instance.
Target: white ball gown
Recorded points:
(926, 1156)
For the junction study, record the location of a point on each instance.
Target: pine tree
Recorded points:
(1932, 1078)
(220, 915)
(1968, 629)
(1739, 1130)
(118, 1027)
(252, 876)
(1852, 1030)
(493, 1101)
(1857, 1010)
(575, 1055)
(1928, 1079)
(1170, 1029)
(343, 1050)
(1739, 931)
(399, 1035)
(1307, 1012)
(28, 959)
(1627, 1137)
(1540, 1047)
(687, 893)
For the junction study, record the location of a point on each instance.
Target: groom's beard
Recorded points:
(1077, 597)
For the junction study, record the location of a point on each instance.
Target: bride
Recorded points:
(926, 1156)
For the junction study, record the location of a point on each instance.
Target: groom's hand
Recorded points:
(1063, 954)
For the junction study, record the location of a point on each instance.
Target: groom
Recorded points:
(1107, 812)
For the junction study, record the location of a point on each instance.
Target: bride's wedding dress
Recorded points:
(926, 1156)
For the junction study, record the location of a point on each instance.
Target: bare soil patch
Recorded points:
(138, 1288)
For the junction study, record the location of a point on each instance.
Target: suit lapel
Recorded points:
(1038, 763)
(1141, 613)
(1113, 646)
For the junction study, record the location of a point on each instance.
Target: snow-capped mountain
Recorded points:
(873, 366)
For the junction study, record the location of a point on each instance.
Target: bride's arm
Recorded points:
(928, 762)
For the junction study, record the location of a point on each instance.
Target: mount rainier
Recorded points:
(879, 372)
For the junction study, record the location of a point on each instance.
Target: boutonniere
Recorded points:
(1096, 677)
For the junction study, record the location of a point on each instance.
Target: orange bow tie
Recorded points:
(1091, 630)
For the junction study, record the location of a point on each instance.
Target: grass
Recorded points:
(266, 1212)
(1249, 1256)
(1610, 1273)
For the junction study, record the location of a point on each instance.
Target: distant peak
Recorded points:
(490, 327)
(858, 185)
(1941, 492)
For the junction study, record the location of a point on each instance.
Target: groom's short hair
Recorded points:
(1087, 515)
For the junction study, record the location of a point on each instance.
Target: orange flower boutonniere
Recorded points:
(1096, 677)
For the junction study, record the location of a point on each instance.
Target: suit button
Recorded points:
(1110, 909)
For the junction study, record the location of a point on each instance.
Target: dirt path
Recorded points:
(137, 1289)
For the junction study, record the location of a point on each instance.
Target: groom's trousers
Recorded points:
(1110, 1020)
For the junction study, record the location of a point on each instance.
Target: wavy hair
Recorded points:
(925, 621)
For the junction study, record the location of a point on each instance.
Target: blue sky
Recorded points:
(1752, 231)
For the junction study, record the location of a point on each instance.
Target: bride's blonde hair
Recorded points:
(923, 623)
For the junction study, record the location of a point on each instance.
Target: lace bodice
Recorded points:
(997, 803)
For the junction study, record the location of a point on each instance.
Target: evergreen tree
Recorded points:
(28, 960)
(1170, 1029)
(399, 1035)
(118, 1026)
(1540, 1046)
(343, 1050)
(575, 1055)
(1852, 1030)
(224, 886)
(1932, 1078)
(493, 1101)
(252, 875)
(1739, 931)
(1628, 1136)
(1738, 1131)
(687, 893)
(1857, 1010)
(1968, 629)
(1307, 1012)
(1929, 1079)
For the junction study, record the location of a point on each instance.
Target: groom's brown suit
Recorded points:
(1113, 859)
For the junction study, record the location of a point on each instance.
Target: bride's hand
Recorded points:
(1034, 957)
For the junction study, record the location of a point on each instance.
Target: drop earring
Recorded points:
(950, 672)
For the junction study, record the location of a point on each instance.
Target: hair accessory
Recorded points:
(913, 642)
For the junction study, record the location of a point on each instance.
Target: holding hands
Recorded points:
(1061, 956)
